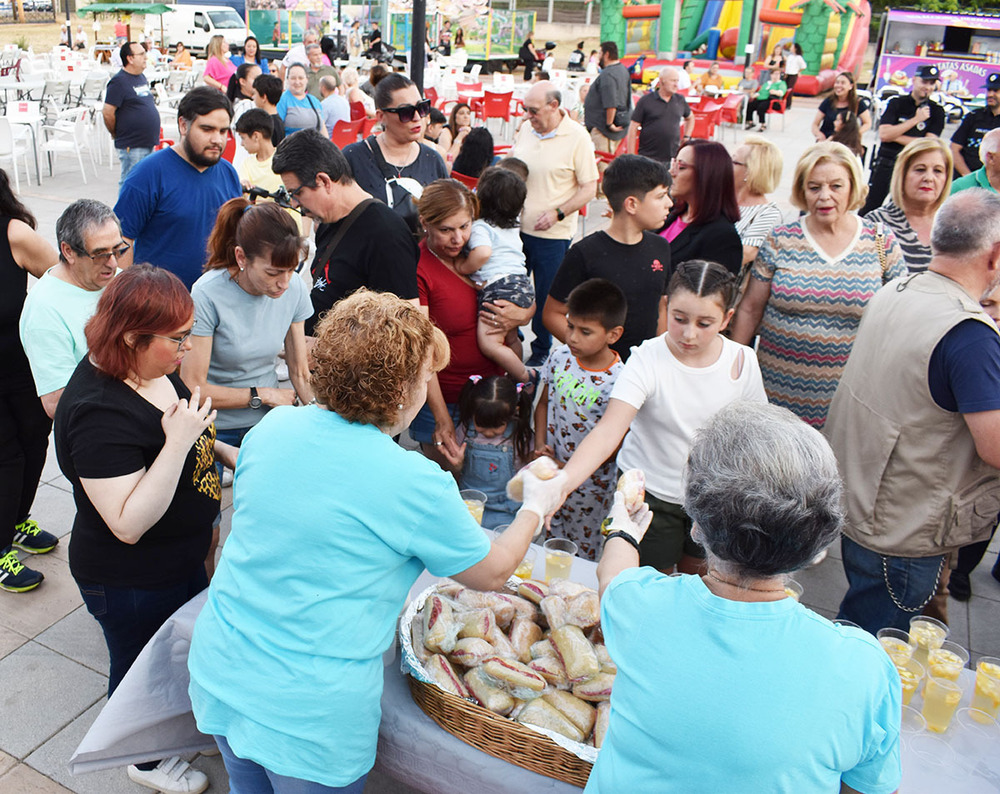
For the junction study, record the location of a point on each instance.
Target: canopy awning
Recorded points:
(125, 8)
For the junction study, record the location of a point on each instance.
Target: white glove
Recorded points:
(542, 497)
(619, 520)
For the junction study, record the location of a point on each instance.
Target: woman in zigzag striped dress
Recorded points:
(811, 282)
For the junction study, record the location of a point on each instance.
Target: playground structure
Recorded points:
(833, 34)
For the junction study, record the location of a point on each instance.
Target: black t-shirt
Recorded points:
(278, 133)
(104, 429)
(830, 112)
(137, 121)
(377, 252)
(15, 374)
(576, 61)
(661, 125)
(640, 270)
(427, 168)
(970, 134)
(902, 108)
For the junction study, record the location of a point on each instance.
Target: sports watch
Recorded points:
(560, 214)
(255, 401)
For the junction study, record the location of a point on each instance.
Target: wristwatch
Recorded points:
(560, 214)
(255, 401)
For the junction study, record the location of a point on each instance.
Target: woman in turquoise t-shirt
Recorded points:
(286, 657)
(300, 110)
(809, 706)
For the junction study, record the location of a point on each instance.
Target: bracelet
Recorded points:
(624, 536)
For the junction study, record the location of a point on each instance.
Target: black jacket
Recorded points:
(716, 241)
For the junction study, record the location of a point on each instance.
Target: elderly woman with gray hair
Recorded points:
(809, 706)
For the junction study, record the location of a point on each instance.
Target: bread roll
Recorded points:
(440, 626)
(545, 715)
(584, 610)
(523, 634)
(581, 714)
(597, 688)
(533, 590)
(477, 623)
(552, 670)
(601, 723)
(555, 612)
(512, 674)
(471, 651)
(632, 485)
(543, 468)
(444, 675)
(576, 653)
(489, 695)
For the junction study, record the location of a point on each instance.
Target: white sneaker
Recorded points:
(281, 369)
(227, 477)
(170, 775)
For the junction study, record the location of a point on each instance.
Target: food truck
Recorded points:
(965, 47)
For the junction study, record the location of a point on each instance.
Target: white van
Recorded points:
(196, 24)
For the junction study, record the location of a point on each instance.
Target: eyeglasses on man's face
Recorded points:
(103, 257)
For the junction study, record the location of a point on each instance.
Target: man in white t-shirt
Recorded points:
(297, 54)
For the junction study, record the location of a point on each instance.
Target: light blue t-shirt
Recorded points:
(715, 695)
(333, 524)
(507, 258)
(247, 333)
(51, 329)
(335, 108)
(299, 114)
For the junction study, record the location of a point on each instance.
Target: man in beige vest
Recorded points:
(915, 421)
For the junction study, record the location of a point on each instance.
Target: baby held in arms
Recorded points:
(496, 264)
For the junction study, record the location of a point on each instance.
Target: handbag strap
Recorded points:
(883, 260)
(345, 225)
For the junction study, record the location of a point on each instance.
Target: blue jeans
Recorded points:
(542, 258)
(129, 158)
(130, 616)
(232, 436)
(249, 777)
(869, 602)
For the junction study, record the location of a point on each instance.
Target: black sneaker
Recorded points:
(16, 577)
(29, 537)
(959, 586)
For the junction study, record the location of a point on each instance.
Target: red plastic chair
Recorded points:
(731, 109)
(779, 106)
(431, 93)
(495, 105)
(344, 133)
(604, 157)
(469, 181)
(467, 88)
(230, 151)
(163, 142)
(358, 111)
(366, 127)
(706, 118)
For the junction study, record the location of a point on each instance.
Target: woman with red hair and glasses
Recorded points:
(702, 224)
(139, 449)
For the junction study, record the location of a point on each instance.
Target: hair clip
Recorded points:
(475, 378)
(519, 386)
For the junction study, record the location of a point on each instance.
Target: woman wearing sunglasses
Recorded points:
(394, 166)
(139, 450)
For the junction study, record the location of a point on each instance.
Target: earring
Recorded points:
(241, 266)
(399, 406)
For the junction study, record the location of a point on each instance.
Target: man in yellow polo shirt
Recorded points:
(562, 178)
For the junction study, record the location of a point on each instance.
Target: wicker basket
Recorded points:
(499, 736)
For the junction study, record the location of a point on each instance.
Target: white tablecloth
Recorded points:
(149, 717)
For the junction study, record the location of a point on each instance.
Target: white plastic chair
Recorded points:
(59, 138)
(10, 148)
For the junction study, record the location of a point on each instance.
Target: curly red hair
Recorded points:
(370, 349)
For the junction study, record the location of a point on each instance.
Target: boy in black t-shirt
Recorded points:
(627, 254)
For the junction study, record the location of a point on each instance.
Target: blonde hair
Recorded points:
(349, 77)
(828, 152)
(763, 165)
(911, 152)
(370, 351)
(216, 48)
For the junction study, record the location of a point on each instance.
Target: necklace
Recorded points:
(713, 575)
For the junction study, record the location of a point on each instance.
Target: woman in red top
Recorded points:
(447, 209)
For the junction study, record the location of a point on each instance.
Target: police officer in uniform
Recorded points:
(905, 119)
(965, 142)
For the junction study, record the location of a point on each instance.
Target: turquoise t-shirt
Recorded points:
(333, 524)
(51, 329)
(715, 695)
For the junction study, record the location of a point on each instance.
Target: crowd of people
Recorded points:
(704, 337)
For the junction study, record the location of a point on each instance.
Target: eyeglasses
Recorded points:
(180, 342)
(294, 194)
(406, 113)
(104, 257)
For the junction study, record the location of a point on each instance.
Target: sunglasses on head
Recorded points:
(406, 113)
